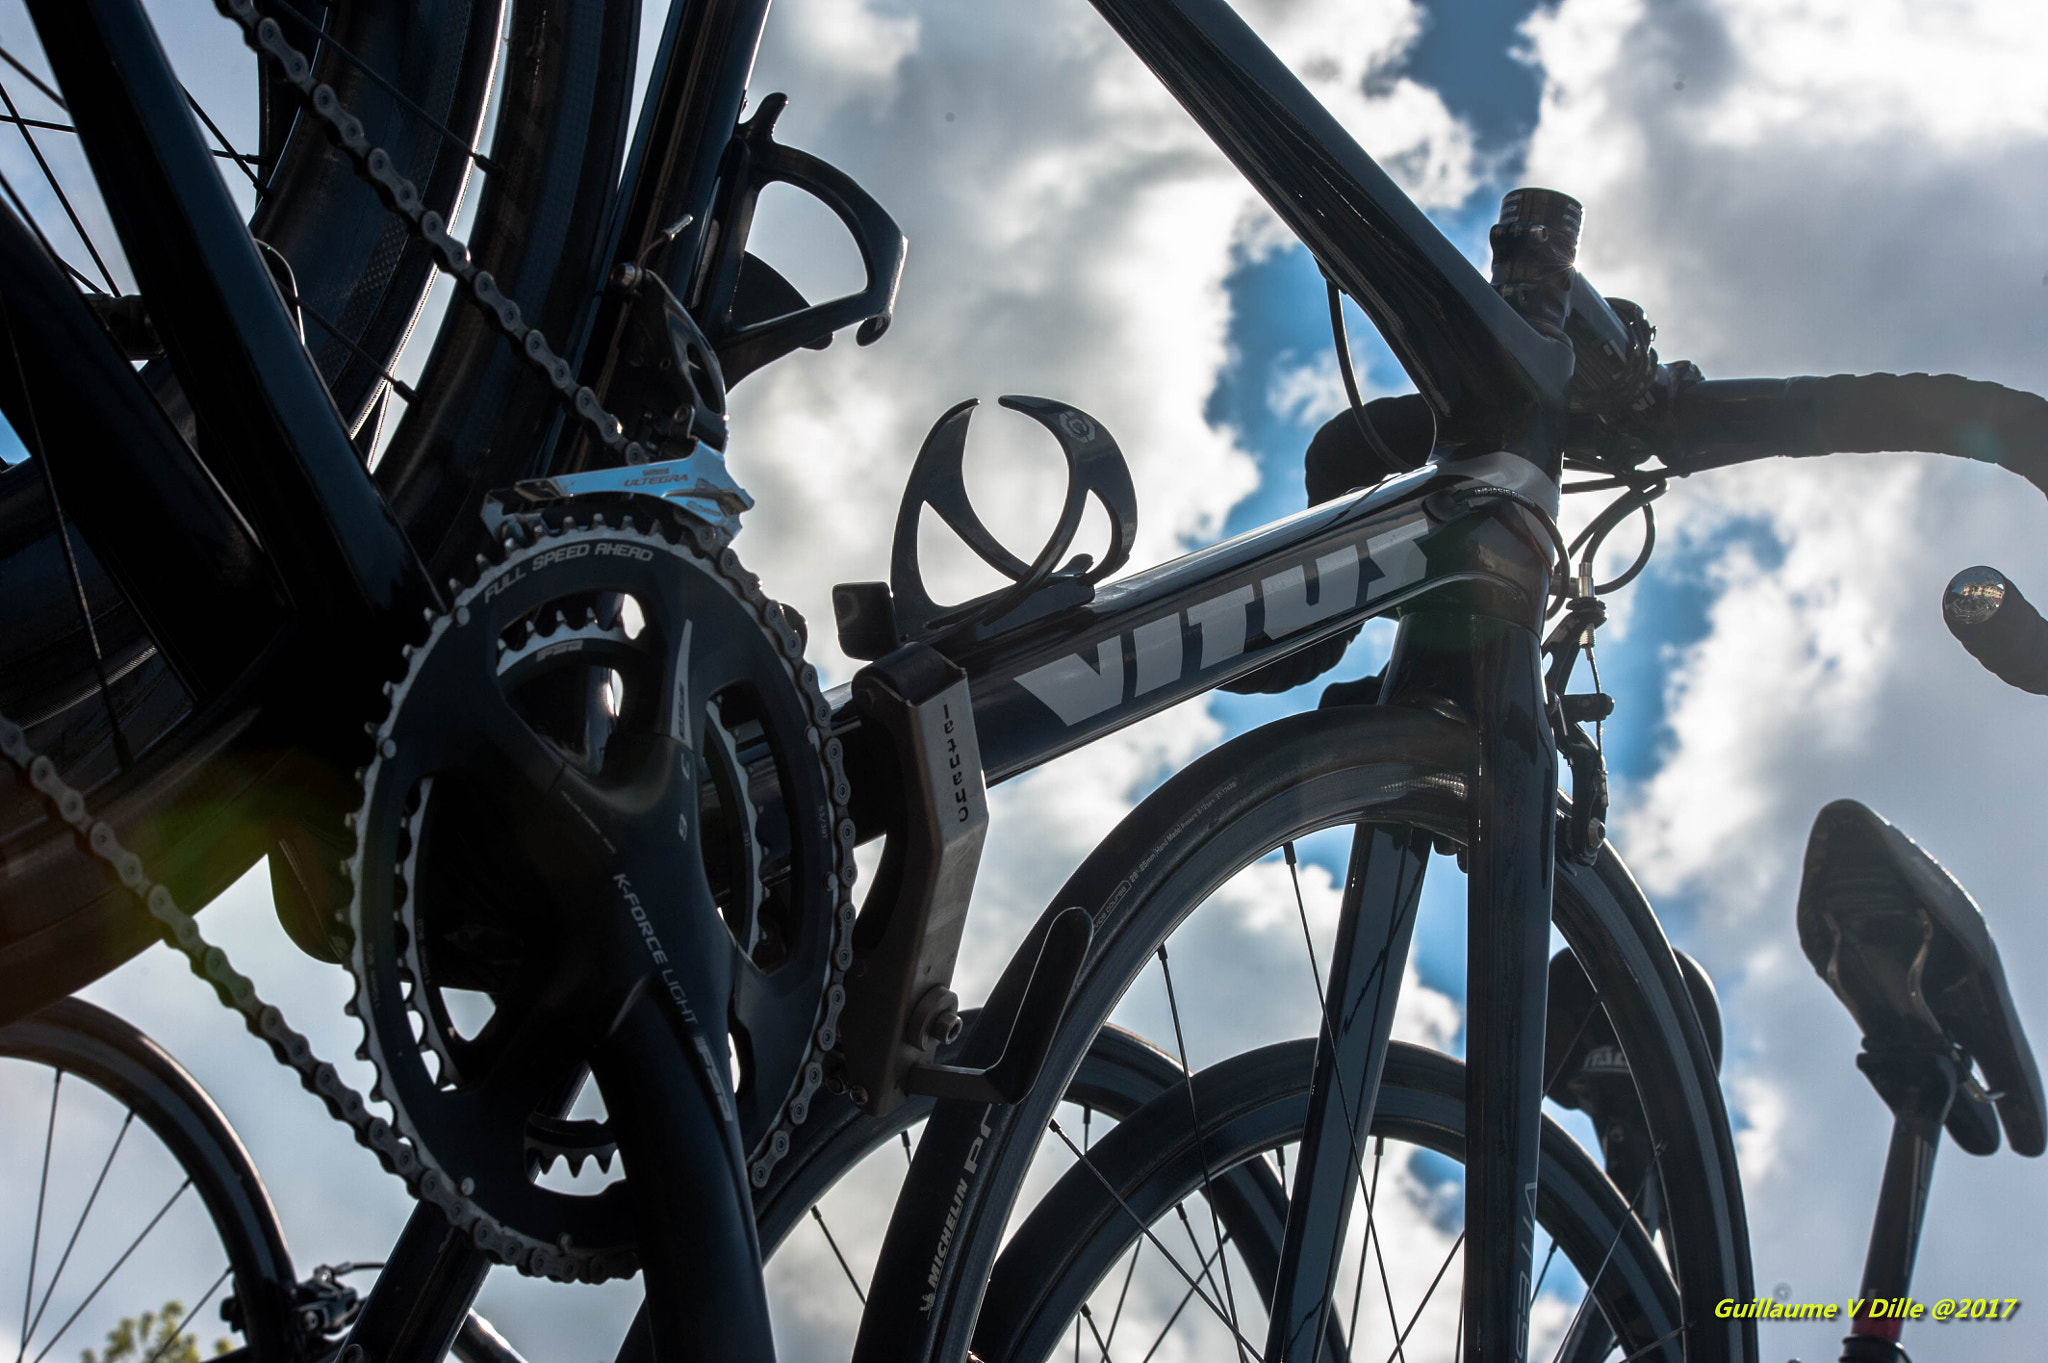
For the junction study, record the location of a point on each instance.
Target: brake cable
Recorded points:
(1617, 511)
(1359, 416)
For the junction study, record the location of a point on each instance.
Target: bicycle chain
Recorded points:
(377, 169)
(394, 1151)
(210, 963)
(235, 990)
(402, 197)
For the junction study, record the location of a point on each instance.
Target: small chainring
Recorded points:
(605, 770)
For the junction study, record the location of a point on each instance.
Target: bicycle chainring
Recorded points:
(605, 770)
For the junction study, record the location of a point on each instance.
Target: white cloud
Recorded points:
(1070, 233)
(1308, 392)
(1833, 188)
(855, 43)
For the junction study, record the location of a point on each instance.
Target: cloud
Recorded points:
(1071, 231)
(1805, 190)
(1307, 393)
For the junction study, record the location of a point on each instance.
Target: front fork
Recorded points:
(1489, 671)
(1492, 669)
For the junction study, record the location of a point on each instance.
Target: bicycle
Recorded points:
(1492, 380)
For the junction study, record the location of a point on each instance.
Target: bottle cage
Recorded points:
(873, 618)
(755, 315)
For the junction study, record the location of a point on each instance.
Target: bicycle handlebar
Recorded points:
(1999, 626)
(1712, 423)
(1730, 421)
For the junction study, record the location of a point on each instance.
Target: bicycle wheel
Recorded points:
(828, 1180)
(1114, 1235)
(182, 783)
(132, 1195)
(843, 1164)
(1201, 849)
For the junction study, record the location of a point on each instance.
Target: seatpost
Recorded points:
(1918, 1085)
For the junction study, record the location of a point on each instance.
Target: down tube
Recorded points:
(1170, 633)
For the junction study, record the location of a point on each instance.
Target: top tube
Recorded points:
(1482, 368)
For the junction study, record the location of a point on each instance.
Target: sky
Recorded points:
(1840, 186)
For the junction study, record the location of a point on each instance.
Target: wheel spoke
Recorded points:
(1379, 1246)
(50, 1287)
(186, 1319)
(1659, 1342)
(1185, 1298)
(1372, 1242)
(44, 124)
(1565, 1052)
(1100, 1342)
(1123, 1293)
(1642, 1191)
(1193, 1285)
(1442, 1268)
(228, 152)
(1201, 1146)
(21, 210)
(1544, 1272)
(313, 315)
(42, 1191)
(58, 189)
(33, 79)
(107, 1277)
(1195, 1243)
(844, 1267)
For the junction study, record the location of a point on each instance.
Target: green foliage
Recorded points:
(153, 1337)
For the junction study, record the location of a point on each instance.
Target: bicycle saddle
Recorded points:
(1905, 949)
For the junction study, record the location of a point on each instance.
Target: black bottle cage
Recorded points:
(755, 316)
(1095, 468)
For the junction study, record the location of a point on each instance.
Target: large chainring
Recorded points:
(605, 771)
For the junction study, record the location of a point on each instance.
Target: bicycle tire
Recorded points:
(1120, 1074)
(348, 264)
(75, 1038)
(200, 796)
(1258, 1101)
(1344, 765)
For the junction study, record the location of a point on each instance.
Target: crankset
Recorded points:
(605, 772)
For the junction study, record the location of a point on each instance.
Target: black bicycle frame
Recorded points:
(1497, 386)
(1470, 582)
